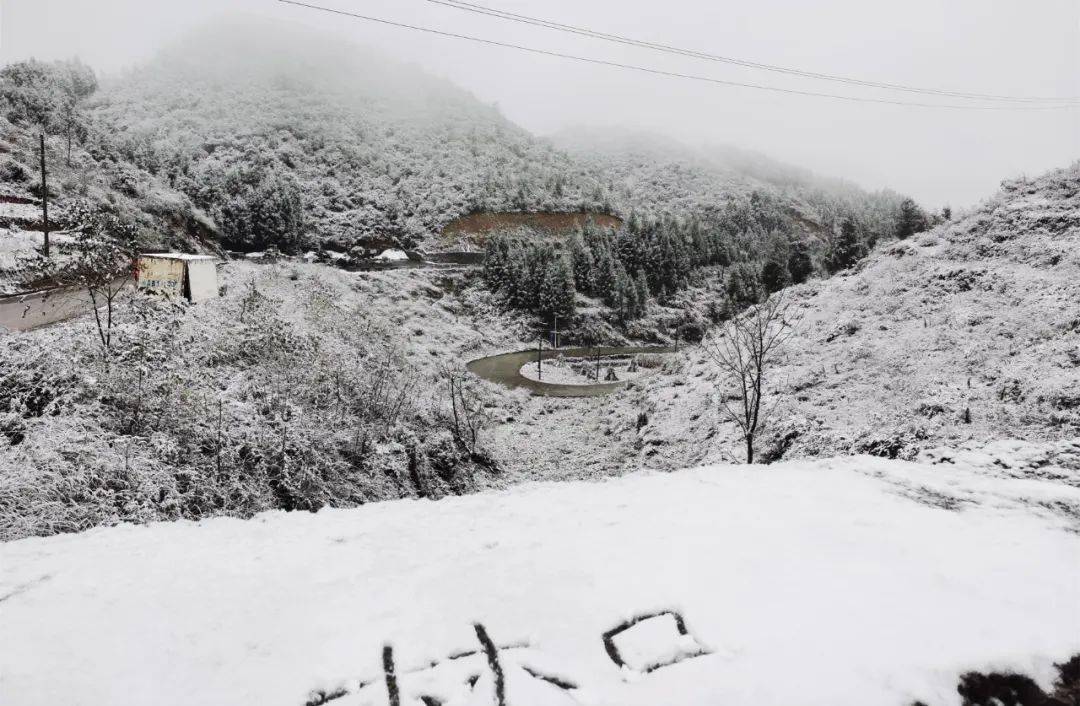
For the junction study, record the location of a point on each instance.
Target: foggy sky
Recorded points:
(937, 155)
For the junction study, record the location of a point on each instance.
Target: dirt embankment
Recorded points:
(476, 226)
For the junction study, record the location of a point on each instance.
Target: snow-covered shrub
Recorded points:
(903, 443)
(238, 405)
(125, 179)
(12, 171)
(650, 360)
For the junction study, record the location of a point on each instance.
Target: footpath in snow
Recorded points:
(853, 581)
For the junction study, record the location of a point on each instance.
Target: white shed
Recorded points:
(193, 277)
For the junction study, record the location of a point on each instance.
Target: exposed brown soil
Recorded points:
(7, 198)
(477, 226)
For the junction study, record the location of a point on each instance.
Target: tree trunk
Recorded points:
(97, 320)
(108, 319)
(217, 452)
(749, 449)
(44, 201)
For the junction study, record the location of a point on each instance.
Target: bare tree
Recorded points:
(101, 261)
(468, 416)
(388, 387)
(70, 121)
(745, 349)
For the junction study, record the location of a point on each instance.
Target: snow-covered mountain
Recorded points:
(374, 150)
(371, 148)
(249, 134)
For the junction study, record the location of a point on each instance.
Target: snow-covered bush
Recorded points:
(245, 403)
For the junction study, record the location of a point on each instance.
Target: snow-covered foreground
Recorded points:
(835, 582)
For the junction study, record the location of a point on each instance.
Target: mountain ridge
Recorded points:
(401, 153)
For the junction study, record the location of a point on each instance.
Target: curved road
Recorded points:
(22, 312)
(505, 369)
(30, 310)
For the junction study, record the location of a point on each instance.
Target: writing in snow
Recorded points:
(516, 673)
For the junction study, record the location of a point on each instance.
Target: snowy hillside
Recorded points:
(961, 336)
(967, 332)
(81, 166)
(836, 582)
(236, 111)
(655, 173)
(354, 363)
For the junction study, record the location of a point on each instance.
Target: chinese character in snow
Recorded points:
(489, 675)
(651, 641)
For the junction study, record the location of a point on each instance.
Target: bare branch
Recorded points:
(744, 350)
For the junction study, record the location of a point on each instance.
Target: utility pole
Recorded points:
(555, 334)
(44, 200)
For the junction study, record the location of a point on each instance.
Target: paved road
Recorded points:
(505, 369)
(22, 312)
(444, 260)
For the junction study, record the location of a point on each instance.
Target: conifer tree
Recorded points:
(496, 261)
(625, 300)
(912, 219)
(517, 279)
(774, 275)
(846, 249)
(604, 273)
(582, 260)
(799, 264)
(743, 287)
(557, 290)
(641, 285)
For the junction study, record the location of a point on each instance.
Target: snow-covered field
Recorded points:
(853, 581)
(20, 211)
(556, 372)
(564, 373)
(17, 244)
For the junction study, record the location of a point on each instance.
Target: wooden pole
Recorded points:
(44, 200)
(217, 459)
(539, 356)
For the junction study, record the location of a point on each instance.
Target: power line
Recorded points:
(661, 72)
(619, 39)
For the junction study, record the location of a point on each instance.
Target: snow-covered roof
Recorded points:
(392, 254)
(176, 256)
